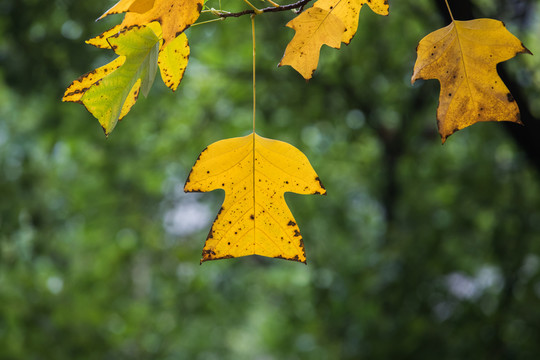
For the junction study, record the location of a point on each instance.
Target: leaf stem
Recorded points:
(450, 11)
(255, 10)
(273, 3)
(208, 21)
(254, 92)
(253, 158)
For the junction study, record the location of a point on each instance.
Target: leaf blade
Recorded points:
(314, 28)
(463, 56)
(349, 11)
(254, 218)
(173, 61)
(110, 91)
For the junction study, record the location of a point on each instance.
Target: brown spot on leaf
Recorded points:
(320, 183)
(208, 253)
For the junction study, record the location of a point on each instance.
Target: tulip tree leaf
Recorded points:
(254, 219)
(110, 91)
(463, 56)
(348, 11)
(328, 22)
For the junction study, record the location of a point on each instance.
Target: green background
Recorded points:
(418, 251)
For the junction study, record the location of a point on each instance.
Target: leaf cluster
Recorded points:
(463, 56)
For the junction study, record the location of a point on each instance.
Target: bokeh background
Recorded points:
(419, 250)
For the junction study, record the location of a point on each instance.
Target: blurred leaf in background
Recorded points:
(419, 250)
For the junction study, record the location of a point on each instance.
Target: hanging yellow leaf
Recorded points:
(110, 91)
(348, 11)
(463, 56)
(175, 16)
(314, 28)
(254, 219)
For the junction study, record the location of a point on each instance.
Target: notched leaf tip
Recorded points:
(525, 50)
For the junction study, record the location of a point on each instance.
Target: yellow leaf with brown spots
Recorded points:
(348, 11)
(173, 61)
(175, 16)
(463, 56)
(100, 41)
(314, 28)
(254, 219)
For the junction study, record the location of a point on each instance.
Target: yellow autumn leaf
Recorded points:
(100, 41)
(254, 219)
(175, 16)
(173, 61)
(463, 56)
(348, 11)
(314, 28)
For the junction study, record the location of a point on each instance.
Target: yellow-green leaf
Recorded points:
(314, 28)
(76, 90)
(463, 56)
(101, 41)
(175, 16)
(110, 91)
(173, 61)
(348, 11)
(254, 219)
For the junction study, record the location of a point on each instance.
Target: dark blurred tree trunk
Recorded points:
(526, 137)
(509, 254)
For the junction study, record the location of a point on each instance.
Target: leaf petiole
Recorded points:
(256, 10)
(208, 21)
(273, 3)
(450, 11)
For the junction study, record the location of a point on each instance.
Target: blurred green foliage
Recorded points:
(418, 251)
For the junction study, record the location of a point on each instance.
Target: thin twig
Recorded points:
(297, 5)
